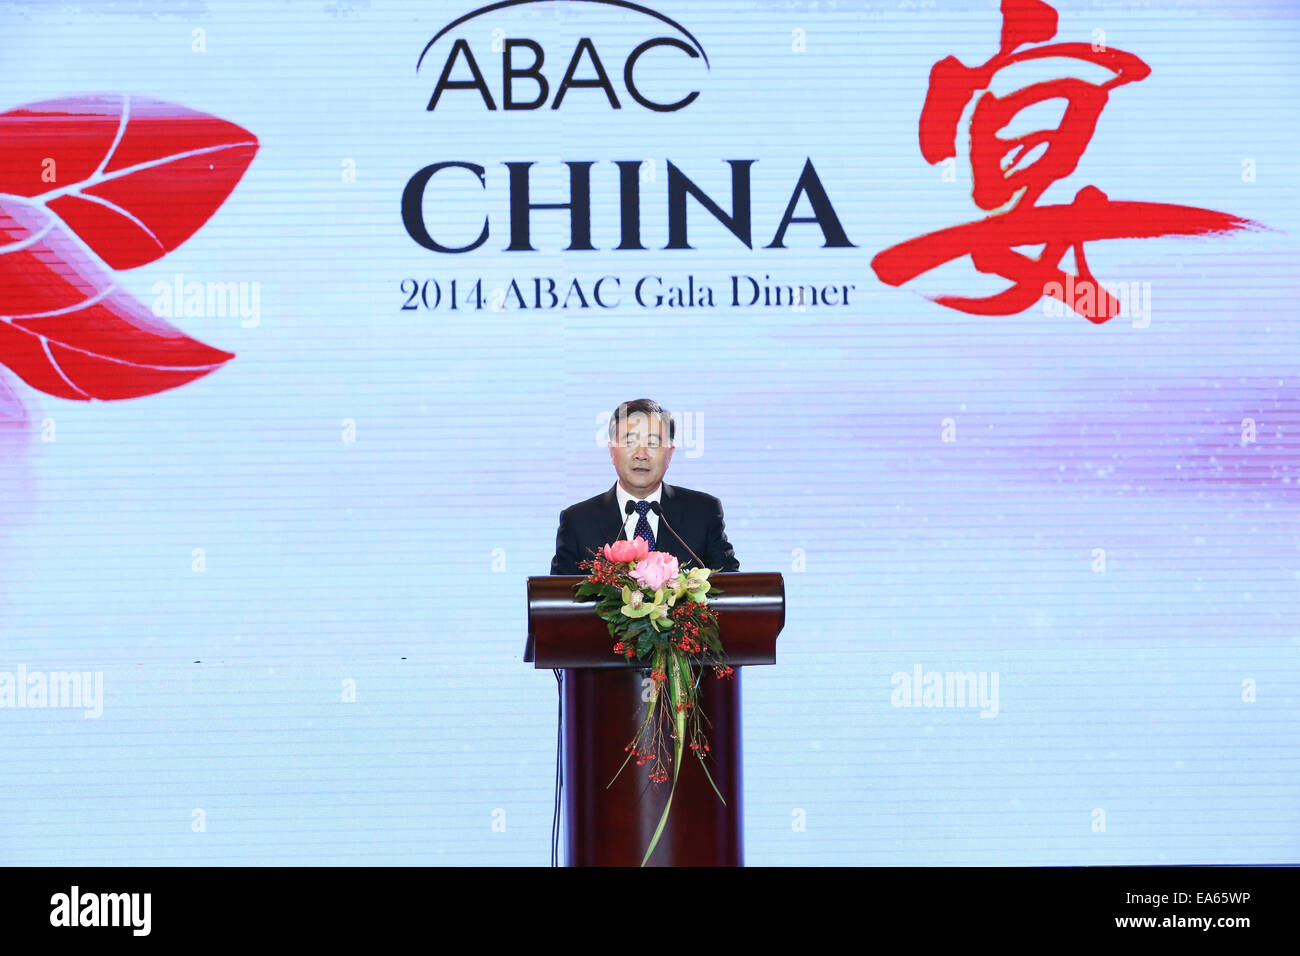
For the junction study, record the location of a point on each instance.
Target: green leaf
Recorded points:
(710, 776)
(674, 686)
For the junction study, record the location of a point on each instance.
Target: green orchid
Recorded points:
(676, 588)
(634, 604)
(697, 584)
(659, 613)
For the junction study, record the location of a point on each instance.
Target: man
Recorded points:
(640, 446)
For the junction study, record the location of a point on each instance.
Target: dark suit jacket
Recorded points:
(695, 516)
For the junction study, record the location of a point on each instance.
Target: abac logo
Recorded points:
(90, 185)
(524, 64)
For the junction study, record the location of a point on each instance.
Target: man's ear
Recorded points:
(613, 454)
(668, 457)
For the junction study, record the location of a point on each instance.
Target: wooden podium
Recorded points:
(603, 707)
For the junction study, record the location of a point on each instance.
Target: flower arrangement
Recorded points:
(659, 613)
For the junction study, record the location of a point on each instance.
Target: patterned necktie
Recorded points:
(643, 524)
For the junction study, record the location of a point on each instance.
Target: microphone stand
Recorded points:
(654, 506)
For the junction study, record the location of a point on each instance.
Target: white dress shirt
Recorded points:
(629, 523)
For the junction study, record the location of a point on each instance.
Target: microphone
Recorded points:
(622, 528)
(627, 513)
(654, 506)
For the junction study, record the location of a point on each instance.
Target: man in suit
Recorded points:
(640, 446)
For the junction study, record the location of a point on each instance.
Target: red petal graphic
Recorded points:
(133, 178)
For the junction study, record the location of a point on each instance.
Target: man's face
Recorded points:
(640, 452)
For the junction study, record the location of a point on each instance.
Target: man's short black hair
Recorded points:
(647, 407)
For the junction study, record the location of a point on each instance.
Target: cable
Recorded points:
(559, 768)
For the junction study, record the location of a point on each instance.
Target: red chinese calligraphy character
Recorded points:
(1008, 176)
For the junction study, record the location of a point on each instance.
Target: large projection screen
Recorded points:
(294, 386)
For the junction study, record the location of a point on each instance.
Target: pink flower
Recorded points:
(621, 552)
(655, 570)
